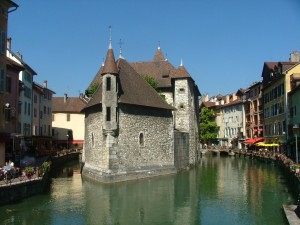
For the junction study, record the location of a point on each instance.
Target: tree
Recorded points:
(208, 127)
(151, 81)
(92, 89)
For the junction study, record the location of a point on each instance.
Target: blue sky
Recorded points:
(223, 44)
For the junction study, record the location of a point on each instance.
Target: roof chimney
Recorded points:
(19, 55)
(294, 56)
(8, 43)
(45, 84)
(65, 97)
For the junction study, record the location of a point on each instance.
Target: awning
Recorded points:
(266, 145)
(253, 141)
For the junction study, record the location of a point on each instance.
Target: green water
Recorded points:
(221, 190)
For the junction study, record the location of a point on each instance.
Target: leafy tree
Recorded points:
(92, 89)
(208, 127)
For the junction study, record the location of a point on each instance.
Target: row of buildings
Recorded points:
(25, 106)
(264, 112)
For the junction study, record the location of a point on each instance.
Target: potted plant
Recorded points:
(29, 171)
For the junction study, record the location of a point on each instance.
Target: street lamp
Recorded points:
(67, 141)
(295, 130)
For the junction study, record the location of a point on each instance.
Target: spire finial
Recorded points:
(110, 44)
(120, 43)
(181, 62)
(158, 45)
(102, 61)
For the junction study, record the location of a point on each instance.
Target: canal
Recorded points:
(221, 190)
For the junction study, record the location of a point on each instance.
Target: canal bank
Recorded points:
(291, 171)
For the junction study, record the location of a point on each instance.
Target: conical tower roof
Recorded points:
(110, 66)
(158, 56)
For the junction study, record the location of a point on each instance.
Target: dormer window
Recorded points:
(108, 84)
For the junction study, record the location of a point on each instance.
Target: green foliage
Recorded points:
(151, 81)
(208, 127)
(92, 89)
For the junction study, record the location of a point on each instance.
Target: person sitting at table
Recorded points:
(12, 165)
(6, 167)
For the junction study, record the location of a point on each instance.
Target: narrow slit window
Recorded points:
(108, 116)
(108, 83)
(141, 139)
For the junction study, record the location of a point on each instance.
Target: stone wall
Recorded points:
(156, 127)
(181, 150)
(143, 146)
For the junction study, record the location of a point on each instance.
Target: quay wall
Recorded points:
(16, 191)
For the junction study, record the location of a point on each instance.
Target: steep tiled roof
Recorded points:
(72, 105)
(158, 56)
(181, 72)
(161, 71)
(133, 90)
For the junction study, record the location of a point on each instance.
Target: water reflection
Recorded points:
(219, 191)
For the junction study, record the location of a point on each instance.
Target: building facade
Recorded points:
(68, 121)
(254, 111)
(276, 86)
(6, 82)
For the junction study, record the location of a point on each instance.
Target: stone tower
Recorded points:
(110, 95)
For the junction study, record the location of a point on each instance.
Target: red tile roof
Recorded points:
(72, 105)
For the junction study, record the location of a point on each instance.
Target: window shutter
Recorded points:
(2, 80)
(3, 42)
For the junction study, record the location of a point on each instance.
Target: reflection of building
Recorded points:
(254, 111)
(276, 85)
(67, 121)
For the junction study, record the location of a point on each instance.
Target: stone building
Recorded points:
(180, 91)
(129, 131)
